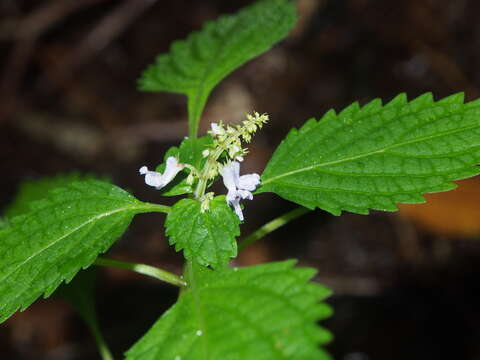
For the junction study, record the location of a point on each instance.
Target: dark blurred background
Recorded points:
(406, 284)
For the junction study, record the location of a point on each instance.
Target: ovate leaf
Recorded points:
(189, 152)
(194, 66)
(266, 312)
(58, 236)
(207, 237)
(377, 156)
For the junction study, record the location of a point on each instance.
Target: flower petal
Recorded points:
(249, 182)
(239, 187)
(245, 194)
(171, 170)
(228, 173)
(237, 208)
(152, 178)
(159, 180)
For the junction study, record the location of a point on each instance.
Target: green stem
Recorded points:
(155, 207)
(80, 294)
(203, 180)
(196, 103)
(211, 162)
(272, 226)
(143, 269)
(101, 344)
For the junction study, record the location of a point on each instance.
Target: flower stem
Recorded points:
(204, 175)
(211, 162)
(143, 269)
(272, 226)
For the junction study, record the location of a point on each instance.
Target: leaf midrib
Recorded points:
(95, 218)
(340, 161)
(223, 40)
(205, 86)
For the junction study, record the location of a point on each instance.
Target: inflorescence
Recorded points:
(223, 158)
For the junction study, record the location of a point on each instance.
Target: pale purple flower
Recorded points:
(159, 180)
(239, 187)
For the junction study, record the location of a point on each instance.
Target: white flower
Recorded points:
(239, 187)
(217, 129)
(159, 180)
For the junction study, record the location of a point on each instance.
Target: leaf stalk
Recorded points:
(272, 226)
(143, 269)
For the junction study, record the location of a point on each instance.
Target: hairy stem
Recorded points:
(143, 269)
(272, 226)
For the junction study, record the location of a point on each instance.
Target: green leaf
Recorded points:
(208, 237)
(189, 152)
(33, 190)
(58, 236)
(265, 312)
(377, 156)
(194, 66)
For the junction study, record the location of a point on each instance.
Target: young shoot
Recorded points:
(360, 159)
(223, 158)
